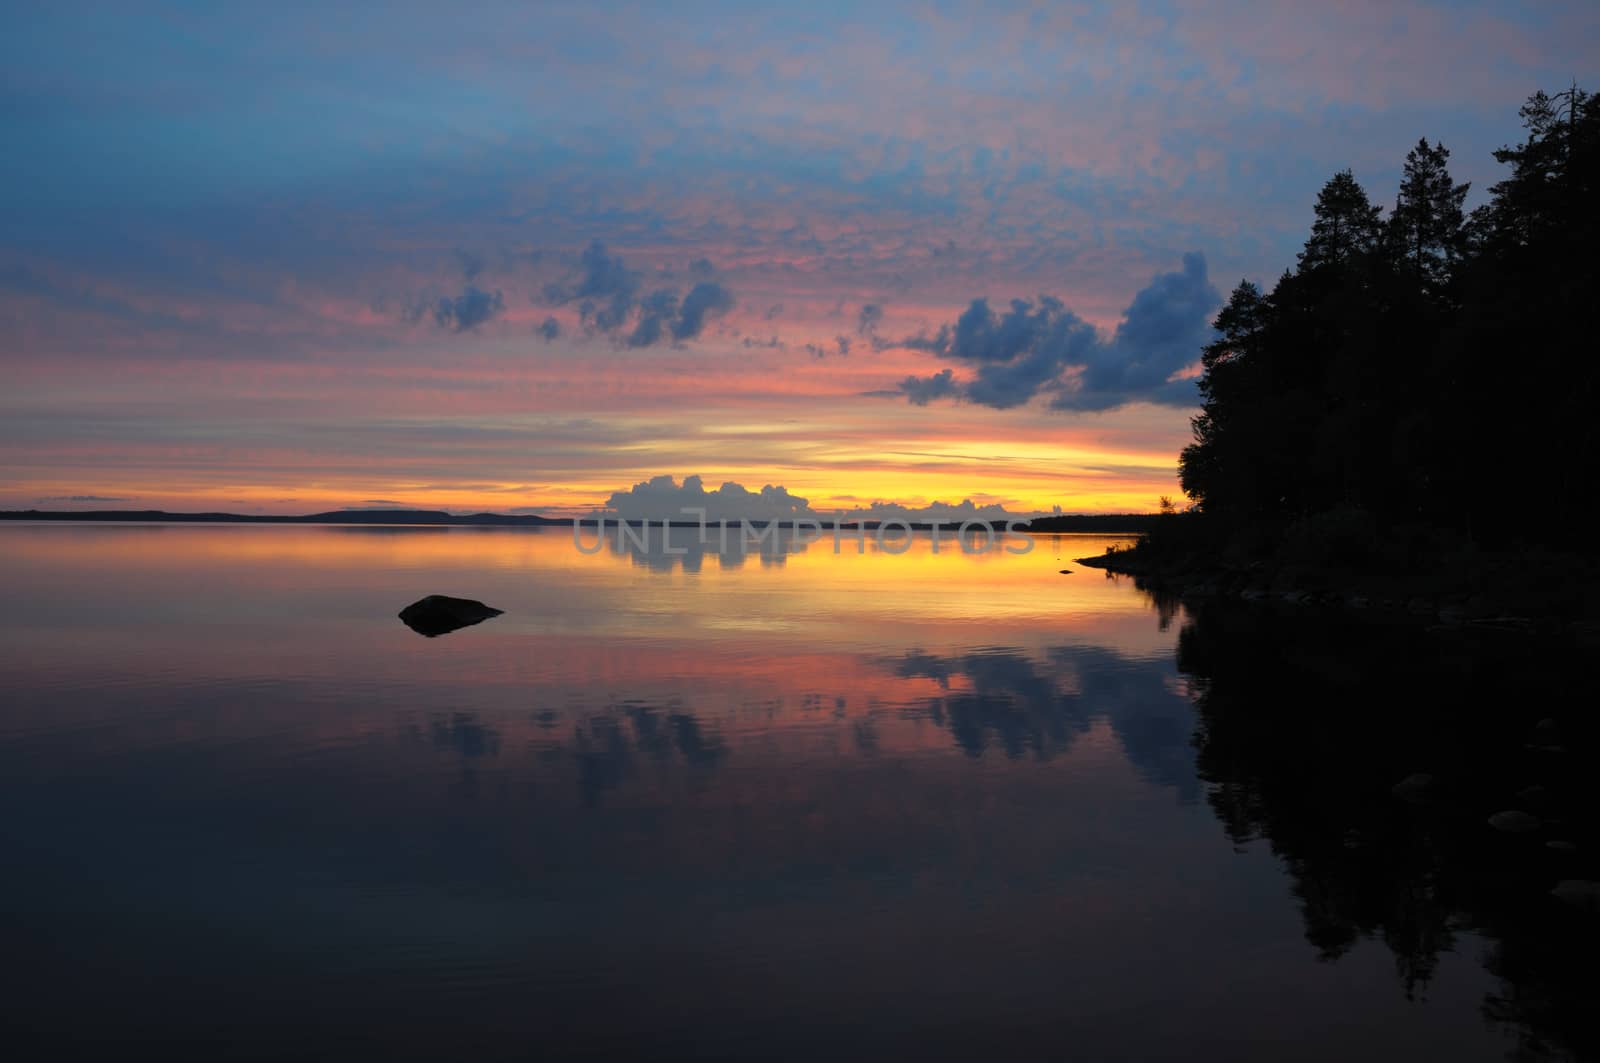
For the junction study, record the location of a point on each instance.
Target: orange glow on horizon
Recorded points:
(496, 431)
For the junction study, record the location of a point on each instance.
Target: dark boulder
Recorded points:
(1418, 789)
(1583, 894)
(1515, 821)
(439, 615)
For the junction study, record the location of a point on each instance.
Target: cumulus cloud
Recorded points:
(468, 310)
(604, 291)
(663, 498)
(923, 390)
(868, 320)
(943, 512)
(607, 294)
(1160, 335)
(657, 312)
(704, 300)
(939, 343)
(549, 328)
(1035, 347)
(841, 346)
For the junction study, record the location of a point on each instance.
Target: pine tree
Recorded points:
(1404, 366)
(1545, 188)
(1427, 226)
(1346, 225)
(1214, 468)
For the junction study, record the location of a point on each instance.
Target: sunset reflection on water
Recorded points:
(695, 800)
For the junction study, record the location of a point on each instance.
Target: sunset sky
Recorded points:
(519, 256)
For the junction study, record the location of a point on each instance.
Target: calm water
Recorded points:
(750, 804)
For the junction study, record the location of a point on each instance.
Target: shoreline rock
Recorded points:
(439, 614)
(1555, 605)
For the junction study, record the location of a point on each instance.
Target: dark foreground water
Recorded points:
(753, 803)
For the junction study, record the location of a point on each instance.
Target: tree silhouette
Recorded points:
(1427, 223)
(1346, 227)
(1216, 467)
(1424, 369)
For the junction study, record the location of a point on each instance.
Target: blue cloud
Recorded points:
(704, 300)
(869, 318)
(657, 315)
(467, 311)
(607, 294)
(605, 289)
(923, 390)
(1035, 347)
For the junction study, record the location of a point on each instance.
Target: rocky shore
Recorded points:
(1534, 593)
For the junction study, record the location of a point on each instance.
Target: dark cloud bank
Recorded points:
(610, 300)
(1041, 347)
(609, 296)
(467, 311)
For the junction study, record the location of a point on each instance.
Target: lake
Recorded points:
(769, 800)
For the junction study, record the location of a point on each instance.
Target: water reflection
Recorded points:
(667, 549)
(1037, 707)
(662, 549)
(856, 805)
(608, 746)
(1304, 728)
(464, 733)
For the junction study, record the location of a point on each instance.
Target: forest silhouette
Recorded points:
(1427, 368)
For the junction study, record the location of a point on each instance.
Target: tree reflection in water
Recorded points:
(1305, 726)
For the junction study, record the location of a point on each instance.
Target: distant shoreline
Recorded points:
(1519, 589)
(1106, 523)
(355, 516)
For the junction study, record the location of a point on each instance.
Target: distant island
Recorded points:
(338, 516)
(1106, 523)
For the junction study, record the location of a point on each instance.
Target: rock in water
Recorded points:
(1418, 789)
(1536, 797)
(1513, 821)
(1578, 892)
(439, 615)
(1546, 737)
